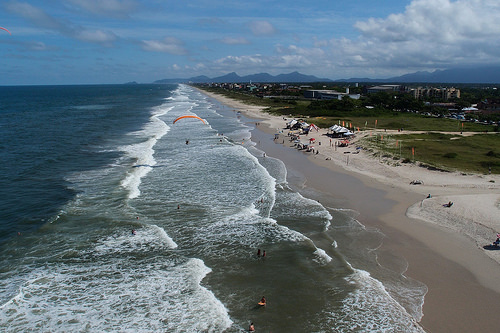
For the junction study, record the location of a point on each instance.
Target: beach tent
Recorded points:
(313, 127)
(333, 128)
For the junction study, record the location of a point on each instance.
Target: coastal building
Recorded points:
(385, 88)
(329, 94)
(431, 92)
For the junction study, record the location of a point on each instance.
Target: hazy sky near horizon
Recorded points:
(116, 41)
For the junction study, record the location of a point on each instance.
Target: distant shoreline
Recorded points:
(428, 245)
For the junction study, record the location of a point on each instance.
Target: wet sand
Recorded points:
(462, 280)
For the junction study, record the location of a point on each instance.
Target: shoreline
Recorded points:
(443, 246)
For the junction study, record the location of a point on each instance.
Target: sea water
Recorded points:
(116, 219)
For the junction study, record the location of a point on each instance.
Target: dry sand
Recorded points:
(443, 245)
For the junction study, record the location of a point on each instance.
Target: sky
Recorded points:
(118, 41)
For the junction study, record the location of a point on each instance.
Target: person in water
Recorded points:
(262, 301)
(251, 328)
(258, 252)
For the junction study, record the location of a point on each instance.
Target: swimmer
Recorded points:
(134, 232)
(251, 328)
(262, 301)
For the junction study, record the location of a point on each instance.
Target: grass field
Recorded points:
(478, 153)
(441, 145)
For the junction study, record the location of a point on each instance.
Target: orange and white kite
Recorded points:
(195, 117)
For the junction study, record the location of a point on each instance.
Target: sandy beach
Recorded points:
(444, 246)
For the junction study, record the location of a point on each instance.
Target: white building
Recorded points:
(329, 94)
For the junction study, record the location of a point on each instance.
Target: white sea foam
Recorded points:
(143, 152)
(163, 234)
(370, 308)
(321, 257)
(111, 296)
(147, 238)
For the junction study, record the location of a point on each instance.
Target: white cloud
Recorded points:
(234, 41)
(255, 63)
(437, 20)
(238, 61)
(262, 28)
(35, 15)
(37, 46)
(116, 8)
(43, 20)
(169, 45)
(96, 36)
(429, 34)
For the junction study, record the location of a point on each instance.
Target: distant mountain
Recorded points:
(297, 77)
(231, 77)
(487, 75)
(261, 78)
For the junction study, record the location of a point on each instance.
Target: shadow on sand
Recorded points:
(491, 247)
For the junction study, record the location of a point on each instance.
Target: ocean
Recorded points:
(116, 219)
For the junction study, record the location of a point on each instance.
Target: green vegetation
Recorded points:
(446, 150)
(449, 152)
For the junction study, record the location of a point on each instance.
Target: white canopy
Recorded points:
(338, 129)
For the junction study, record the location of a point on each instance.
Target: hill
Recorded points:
(485, 75)
(261, 77)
